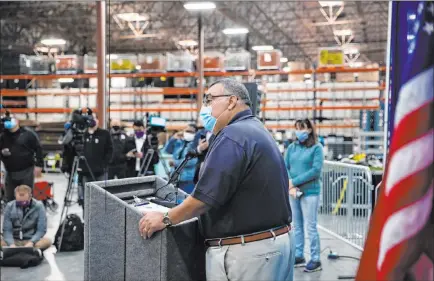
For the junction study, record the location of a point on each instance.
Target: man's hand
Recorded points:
(150, 223)
(171, 163)
(290, 184)
(293, 192)
(38, 172)
(130, 154)
(139, 155)
(29, 244)
(6, 152)
(203, 145)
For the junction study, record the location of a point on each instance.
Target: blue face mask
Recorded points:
(10, 124)
(208, 120)
(302, 136)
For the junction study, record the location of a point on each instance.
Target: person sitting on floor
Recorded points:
(25, 221)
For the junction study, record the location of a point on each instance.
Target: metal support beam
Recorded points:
(101, 62)
(200, 71)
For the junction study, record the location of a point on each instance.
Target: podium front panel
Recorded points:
(114, 248)
(106, 245)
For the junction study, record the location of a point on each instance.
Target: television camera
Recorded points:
(81, 120)
(155, 124)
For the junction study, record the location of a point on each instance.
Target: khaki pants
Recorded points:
(42, 244)
(264, 260)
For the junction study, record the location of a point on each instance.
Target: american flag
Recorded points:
(401, 230)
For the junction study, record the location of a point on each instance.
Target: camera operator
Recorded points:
(98, 150)
(21, 154)
(117, 165)
(136, 148)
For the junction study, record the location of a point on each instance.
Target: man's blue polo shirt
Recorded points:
(243, 180)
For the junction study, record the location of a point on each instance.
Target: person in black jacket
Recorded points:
(98, 150)
(136, 149)
(21, 154)
(117, 165)
(201, 144)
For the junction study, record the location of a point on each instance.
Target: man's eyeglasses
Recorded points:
(208, 98)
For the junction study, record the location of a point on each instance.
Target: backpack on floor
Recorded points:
(73, 234)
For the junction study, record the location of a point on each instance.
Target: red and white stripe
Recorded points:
(408, 188)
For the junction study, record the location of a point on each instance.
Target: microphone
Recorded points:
(191, 154)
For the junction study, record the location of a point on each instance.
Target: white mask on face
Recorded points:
(188, 136)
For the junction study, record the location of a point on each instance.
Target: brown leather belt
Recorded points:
(272, 233)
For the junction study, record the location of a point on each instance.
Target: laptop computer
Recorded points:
(8, 251)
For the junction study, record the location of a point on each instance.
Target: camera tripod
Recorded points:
(147, 162)
(73, 181)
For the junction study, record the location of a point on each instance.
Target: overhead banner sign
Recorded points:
(331, 57)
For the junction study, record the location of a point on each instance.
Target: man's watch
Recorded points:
(166, 220)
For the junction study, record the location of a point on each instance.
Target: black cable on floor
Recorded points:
(349, 257)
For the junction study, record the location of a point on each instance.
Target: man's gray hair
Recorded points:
(233, 87)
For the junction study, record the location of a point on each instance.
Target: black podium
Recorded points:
(114, 249)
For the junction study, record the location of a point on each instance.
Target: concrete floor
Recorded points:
(69, 266)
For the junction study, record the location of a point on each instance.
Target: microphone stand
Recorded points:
(177, 174)
(175, 178)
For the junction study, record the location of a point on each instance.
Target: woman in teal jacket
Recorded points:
(178, 146)
(304, 160)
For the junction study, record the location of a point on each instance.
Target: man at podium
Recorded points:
(241, 197)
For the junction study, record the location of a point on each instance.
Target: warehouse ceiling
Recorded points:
(298, 29)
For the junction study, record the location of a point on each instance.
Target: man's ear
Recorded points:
(235, 103)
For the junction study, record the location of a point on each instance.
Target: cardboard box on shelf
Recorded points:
(373, 76)
(69, 64)
(46, 84)
(213, 61)
(345, 77)
(269, 59)
(151, 63)
(296, 65)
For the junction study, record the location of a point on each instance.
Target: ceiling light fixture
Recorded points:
(351, 51)
(234, 31)
(283, 60)
(187, 43)
(195, 6)
(286, 69)
(53, 42)
(330, 3)
(343, 32)
(412, 16)
(128, 17)
(263, 48)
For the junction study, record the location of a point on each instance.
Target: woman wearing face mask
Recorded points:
(304, 160)
(178, 146)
